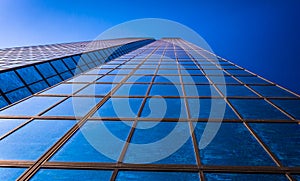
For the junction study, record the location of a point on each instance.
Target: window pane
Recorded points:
(238, 72)
(282, 139)
(18, 94)
(9, 124)
(132, 90)
(119, 108)
(272, 91)
(64, 174)
(84, 78)
(97, 89)
(46, 69)
(151, 133)
(9, 81)
(168, 71)
(256, 109)
(232, 145)
(242, 176)
(222, 80)
(10, 174)
(32, 140)
(150, 176)
(91, 139)
(74, 106)
(111, 78)
(252, 80)
(137, 79)
(290, 106)
(200, 90)
(64, 89)
(2, 102)
(194, 80)
(31, 106)
(29, 74)
(236, 90)
(164, 108)
(59, 66)
(167, 79)
(210, 108)
(166, 90)
(145, 71)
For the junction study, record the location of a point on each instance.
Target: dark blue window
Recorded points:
(282, 139)
(167, 79)
(256, 109)
(236, 90)
(241, 176)
(201, 90)
(70, 63)
(238, 72)
(2, 102)
(18, 94)
(36, 87)
(222, 79)
(251, 80)
(150, 176)
(132, 90)
(29, 74)
(210, 108)
(54, 80)
(290, 106)
(59, 66)
(232, 145)
(9, 81)
(164, 108)
(272, 91)
(65, 175)
(66, 75)
(194, 80)
(166, 90)
(46, 69)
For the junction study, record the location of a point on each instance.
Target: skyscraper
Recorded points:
(142, 109)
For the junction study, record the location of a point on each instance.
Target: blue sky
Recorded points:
(262, 36)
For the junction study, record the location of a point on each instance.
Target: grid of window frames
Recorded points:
(258, 138)
(21, 82)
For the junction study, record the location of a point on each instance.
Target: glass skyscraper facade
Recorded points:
(143, 109)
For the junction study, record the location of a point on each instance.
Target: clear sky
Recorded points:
(260, 35)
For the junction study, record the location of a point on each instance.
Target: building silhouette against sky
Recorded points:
(60, 102)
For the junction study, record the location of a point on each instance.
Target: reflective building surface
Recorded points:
(143, 109)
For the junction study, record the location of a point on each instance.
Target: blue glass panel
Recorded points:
(2, 102)
(36, 87)
(64, 174)
(272, 91)
(282, 139)
(222, 80)
(241, 176)
(256, 109)
(168, 71)
(214, 72)
(111, 78)
(98, 71)
(252, 80)
(10, 174)
(145, 71)
(29, 74)
(74, 106)
(236, 90)
(9, 81)
(70, 63)
(194, 80)
(158, 176)
(64, 89)
(238, 72)
(167, 79)
(31, 106)
(32, 140)
(135, 78)
(132, 90)
(119, 107)
(91, 139)
(297, 177)
(232, 145)
(66, 75)
(200, 90)
(54, 80)
(97, 89)
(165, 90)
(84, 78)
(59, 66)
(18, 94)
(8, 124)
(290, 106)
(210, 108)
(46, 69)
(164, 108)
(121, 71)
(153, 132)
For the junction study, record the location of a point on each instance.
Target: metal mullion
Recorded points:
(128, 140)
(191, 127)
